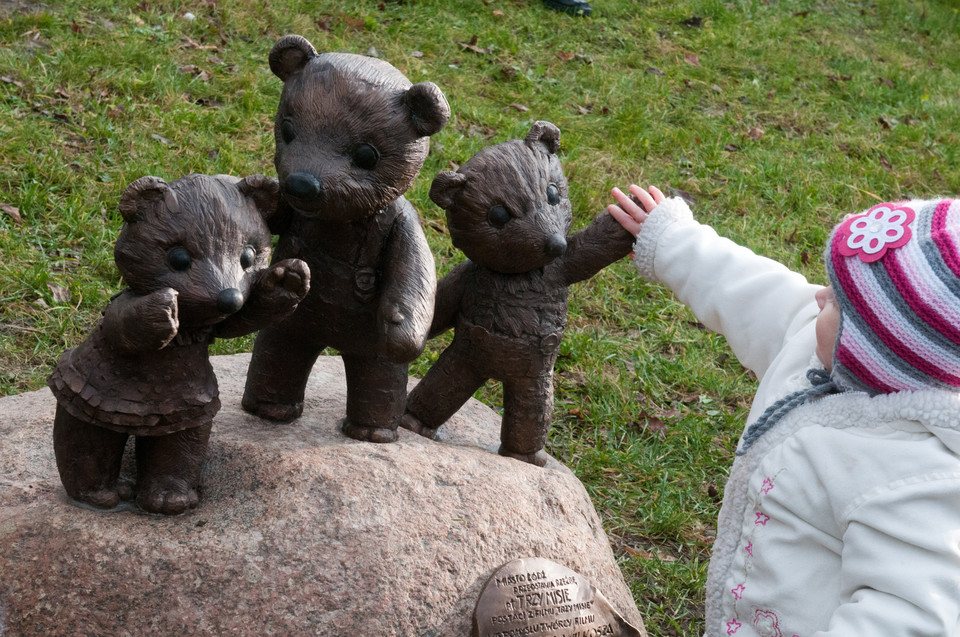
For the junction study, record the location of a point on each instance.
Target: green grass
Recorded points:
(775, 116)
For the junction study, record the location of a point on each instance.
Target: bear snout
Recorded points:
(555, 245)
(229, 301)
(302, 186)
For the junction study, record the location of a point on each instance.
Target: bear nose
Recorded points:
(555, 245)
(229, 301)
(302, 186)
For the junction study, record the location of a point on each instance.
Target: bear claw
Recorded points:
(411, 422)
(168, 495)
(538, 458)
(368, 434)
(100, 498)
(277, 412)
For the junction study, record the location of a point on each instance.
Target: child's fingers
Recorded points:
(643, 197)
(627, 203)
(657, 195)
(629, 223)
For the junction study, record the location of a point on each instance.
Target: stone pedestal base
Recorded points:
(300, 530)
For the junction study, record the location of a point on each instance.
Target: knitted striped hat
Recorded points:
(895, 270)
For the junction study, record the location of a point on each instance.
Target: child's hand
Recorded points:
(628, 213)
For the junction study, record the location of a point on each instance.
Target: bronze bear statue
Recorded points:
(351, 135)
(508, 211)
(194, 253)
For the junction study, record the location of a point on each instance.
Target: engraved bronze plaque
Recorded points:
(536, 596)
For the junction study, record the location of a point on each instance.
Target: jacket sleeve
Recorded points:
(755, 302)
(901, 563)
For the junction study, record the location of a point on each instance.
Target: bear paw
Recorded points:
(538, 458)
(99, 498)
(277, 412)
(167, 495)
(411, 422)
(284, 284)
(368, 434)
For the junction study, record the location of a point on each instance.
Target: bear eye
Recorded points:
(287, 131)
(179, 259)
(498, 216)
(365, 156)
(248, 256)
(553, 195)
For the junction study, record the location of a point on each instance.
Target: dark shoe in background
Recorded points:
(573, 7)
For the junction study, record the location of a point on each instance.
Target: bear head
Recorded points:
(507, 206)
(351, 131)
(204, 236)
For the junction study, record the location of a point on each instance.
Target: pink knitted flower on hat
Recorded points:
(871, 234)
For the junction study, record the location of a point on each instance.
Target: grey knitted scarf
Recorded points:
(822, 385)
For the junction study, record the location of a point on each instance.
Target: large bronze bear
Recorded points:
(351, 134)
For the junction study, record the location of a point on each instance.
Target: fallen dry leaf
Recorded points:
(519, 107)
(654, 71)
(566, 57)
(190, 43)
(9, 80)
(472, 46)
(755, 133)
(683, 194)
(193, 69)
(649, 555)
(692, 59)
(60, 293)
(13, 212)
(655, 426)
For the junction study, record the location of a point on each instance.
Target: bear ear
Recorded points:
(428, 108)
(264, 191)
(545, 133)
(445, 187)
(290, 54)
(147, 196)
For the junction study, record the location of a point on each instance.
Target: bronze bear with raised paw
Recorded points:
(194, 253)
(508, 211)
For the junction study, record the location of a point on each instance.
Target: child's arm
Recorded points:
(755, 302)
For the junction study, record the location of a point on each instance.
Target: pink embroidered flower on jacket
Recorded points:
(871, 234)
(733, 626)
(738, 591)
(767, 623)
(761, 519)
